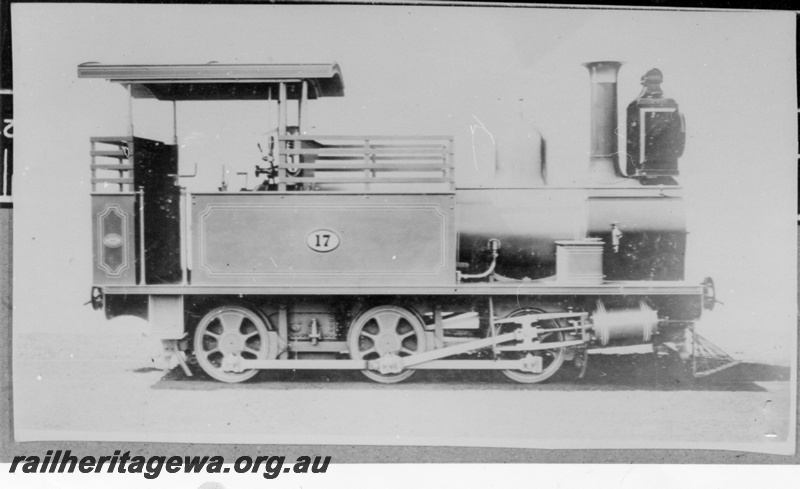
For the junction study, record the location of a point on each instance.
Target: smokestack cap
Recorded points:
(603, 71)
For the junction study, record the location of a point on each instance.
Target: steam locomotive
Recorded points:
(359, 252)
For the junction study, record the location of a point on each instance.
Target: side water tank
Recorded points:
(656, 134)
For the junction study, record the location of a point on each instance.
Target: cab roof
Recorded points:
(214, 81)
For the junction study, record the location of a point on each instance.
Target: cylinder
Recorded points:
(603, 158)
(629, 326)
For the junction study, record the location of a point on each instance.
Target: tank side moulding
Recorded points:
(323, 239)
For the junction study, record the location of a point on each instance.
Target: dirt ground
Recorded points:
(81, 385)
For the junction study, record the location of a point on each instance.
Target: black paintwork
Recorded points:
(154, 162)
(665, 135)
(644, 255)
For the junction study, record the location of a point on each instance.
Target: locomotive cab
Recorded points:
(136, 187)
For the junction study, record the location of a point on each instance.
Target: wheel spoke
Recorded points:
(403, 336)
(247, 336)
(406, 350)
(210, 333)
(368, 335)
(210, 352)
(387, 321)
(368, 351)
(231, 321)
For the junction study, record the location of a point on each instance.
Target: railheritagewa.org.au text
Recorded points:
(270, 466)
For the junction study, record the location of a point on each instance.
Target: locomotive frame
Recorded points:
(219, 285)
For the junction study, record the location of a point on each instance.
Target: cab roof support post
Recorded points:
(130, 110)
(282, 109)
(175, 123)
(142, 250)
(303, 109)
(280, 146)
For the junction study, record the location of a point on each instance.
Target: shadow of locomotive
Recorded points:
(605, 372)
(645, 372)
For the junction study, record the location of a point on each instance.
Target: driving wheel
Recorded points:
(382, 332)
(552, 359)
(229, 332)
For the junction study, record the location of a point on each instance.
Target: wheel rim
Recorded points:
(230, 331)
(551, 359)
(384, 331)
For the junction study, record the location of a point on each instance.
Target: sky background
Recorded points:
(423, 70)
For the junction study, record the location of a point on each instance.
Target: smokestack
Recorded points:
(604, 158)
